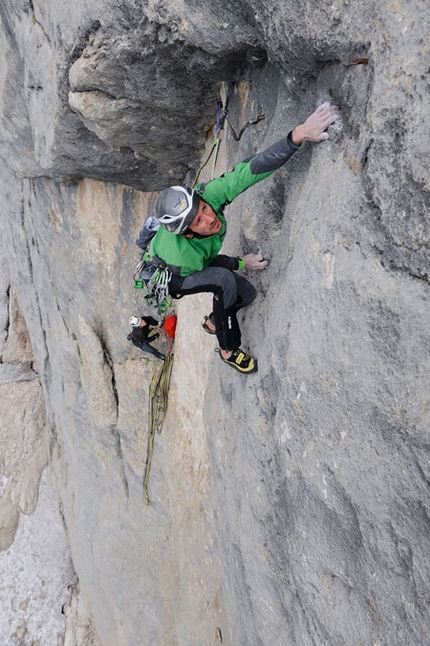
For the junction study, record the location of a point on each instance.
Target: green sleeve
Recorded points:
(224, 189)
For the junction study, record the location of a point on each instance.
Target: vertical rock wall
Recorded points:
(35, 563)
(286, 507)
(336, 423)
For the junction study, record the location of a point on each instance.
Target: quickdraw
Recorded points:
(222, 117)
(155, 276)
(158, 289)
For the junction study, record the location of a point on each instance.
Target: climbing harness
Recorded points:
(151, 272)
(158, 401)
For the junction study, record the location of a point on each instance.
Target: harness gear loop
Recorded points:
(153, 273)
(158, 284)
(158, 290)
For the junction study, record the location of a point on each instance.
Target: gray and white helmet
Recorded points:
(176, 207)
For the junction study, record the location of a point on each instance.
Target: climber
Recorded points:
(194, 227)
(143, 333)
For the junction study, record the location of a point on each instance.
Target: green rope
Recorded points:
(158, 400)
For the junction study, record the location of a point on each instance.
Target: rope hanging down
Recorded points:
(219, 125)
(158, 400)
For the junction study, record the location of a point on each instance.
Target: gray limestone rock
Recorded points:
(116, 94)
(36, 572)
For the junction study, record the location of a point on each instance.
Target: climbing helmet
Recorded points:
(176, 207)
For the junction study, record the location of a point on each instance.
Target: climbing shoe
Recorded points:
(206, 327)
(241, 361)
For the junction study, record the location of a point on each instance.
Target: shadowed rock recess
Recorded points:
(289, 507)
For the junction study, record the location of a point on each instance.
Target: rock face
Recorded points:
(289, 507)
(39, 599)
(36, 572)
(118, 93)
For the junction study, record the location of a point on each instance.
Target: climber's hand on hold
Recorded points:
(255, 261)
(313, 129)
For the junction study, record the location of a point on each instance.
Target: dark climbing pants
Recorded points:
(231, 292)
(146, 347)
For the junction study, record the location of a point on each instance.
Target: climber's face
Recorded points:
(205, 222)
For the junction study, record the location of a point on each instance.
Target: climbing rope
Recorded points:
(216, 140)
(158, 401)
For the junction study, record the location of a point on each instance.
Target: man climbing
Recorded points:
(143, 333)
(194, 227)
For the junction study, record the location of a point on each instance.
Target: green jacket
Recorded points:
(184, 256)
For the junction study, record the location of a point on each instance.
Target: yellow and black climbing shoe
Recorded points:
(206, 327)
(241, 361)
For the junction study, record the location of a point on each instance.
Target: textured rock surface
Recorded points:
(141, 78)
(23, 444)
(290, 507)
(24, 453)
(35, 574)
(40, 601)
